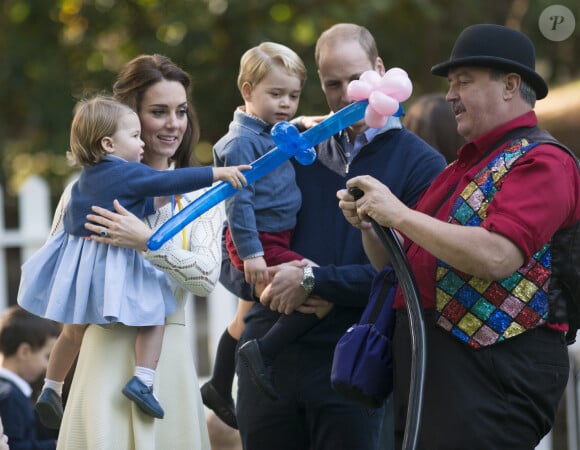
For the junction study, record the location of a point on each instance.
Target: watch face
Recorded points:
(308, 280)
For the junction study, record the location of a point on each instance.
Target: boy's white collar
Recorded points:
(20, 382)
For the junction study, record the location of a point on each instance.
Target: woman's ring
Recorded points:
(104, 233)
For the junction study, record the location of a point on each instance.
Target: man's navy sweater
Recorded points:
(399, 159)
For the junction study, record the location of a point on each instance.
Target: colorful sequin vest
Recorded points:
(483, 312)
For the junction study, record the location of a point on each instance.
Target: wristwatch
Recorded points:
(308, 280)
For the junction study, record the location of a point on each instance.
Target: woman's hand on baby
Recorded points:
(122, 228)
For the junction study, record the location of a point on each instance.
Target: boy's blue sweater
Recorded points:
(268, 205)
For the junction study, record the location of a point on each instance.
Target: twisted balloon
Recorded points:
(383, 93)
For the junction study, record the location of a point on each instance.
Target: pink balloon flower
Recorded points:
(383, 93)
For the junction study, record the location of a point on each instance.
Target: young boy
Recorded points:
(25, 344)
(261, 218)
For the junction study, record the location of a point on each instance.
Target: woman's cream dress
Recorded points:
(97, 415)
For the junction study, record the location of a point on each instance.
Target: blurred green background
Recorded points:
(53, 52)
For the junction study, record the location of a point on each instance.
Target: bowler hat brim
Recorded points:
(529, 76)
(497, 47)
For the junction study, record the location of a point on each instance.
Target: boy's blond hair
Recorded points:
(94, 119)
(257, 62)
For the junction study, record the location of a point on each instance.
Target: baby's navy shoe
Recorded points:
(49, 408)
(142, 395)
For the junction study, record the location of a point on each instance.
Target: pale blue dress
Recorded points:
(75, 280)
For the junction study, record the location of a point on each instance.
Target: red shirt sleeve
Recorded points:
(536, 199)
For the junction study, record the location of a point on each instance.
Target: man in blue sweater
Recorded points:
(309, 414)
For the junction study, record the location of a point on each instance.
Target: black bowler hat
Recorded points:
(498, 47)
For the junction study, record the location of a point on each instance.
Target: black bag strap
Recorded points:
(388, 283)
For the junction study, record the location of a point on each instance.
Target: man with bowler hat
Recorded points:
(484, 244)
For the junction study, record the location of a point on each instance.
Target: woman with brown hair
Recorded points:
(96, 417)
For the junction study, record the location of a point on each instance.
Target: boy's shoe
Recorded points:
(142, 395)
(222, 408)
(260, 372)
(49, 408)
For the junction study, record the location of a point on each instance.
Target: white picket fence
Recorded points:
(34, 217)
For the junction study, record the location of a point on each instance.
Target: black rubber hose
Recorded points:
(406, 279)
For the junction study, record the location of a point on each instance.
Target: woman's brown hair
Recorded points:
(140, 74)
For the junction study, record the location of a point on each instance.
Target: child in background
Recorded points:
(261, 218)
(77, 281)
(25, 344)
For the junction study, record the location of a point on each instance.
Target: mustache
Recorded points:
(457, 107)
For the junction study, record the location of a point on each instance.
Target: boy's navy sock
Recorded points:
(225, 366)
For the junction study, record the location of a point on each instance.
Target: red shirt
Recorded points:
(538, 197)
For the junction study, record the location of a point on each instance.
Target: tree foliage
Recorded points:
(53, 52)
